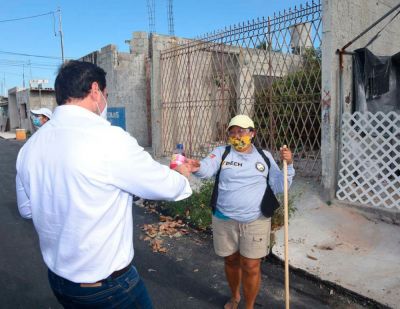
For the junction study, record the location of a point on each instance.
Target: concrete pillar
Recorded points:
(156, 104)
(328, 95)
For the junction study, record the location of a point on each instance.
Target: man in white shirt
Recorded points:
(75, 179)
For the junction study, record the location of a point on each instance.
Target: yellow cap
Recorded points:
(242, 121)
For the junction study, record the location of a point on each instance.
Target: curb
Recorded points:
(365, 301)
(387, 215)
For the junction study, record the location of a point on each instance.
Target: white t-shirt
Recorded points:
(75, 179)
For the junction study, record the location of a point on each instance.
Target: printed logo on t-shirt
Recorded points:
(232, 163)
(212, 156)
(260, 167)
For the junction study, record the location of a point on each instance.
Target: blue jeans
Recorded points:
(125, 291)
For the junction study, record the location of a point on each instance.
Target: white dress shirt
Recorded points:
(75, 179)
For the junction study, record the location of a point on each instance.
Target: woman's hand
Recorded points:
(286, 154)
(183, 169)
(193, 164)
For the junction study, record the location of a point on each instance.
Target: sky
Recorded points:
(90, 25)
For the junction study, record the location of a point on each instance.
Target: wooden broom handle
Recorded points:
(286, 220)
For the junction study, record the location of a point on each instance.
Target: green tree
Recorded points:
(291, 101)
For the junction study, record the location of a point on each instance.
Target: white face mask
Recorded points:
(103, 113)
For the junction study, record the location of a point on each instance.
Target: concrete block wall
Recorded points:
(342, 21)
(158, 43)
(126, 83)
(13, 109)
(38, 99)
(139, 43)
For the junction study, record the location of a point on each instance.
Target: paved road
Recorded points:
(189, 275)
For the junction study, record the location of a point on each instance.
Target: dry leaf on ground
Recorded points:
(167, 227)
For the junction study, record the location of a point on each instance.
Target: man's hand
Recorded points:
(190, 166)
(286, 154)
(183, 169)
(193, 164)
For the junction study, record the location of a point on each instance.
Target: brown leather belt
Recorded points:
(114, 275)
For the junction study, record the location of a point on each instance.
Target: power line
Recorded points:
(32, 66)
(29, 62)
(28, 55)
(39, 15)
(12, 73)
(27, 17)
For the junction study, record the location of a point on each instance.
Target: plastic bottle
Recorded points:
(178, 157)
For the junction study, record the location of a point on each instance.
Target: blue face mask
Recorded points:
(36, 122)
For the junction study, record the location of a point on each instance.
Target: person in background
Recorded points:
(40, 116)
(79, 194)
(241, 234)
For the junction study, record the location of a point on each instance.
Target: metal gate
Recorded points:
(269, 69)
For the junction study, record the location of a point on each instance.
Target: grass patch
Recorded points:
(196, 210)
(279, 216)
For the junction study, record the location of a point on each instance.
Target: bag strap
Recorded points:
(262, 153)
(269, 202)
(214, 195)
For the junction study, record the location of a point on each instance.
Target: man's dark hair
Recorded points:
(75, 78)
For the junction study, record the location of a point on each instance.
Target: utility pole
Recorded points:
(30, 68)
(23, 76)
(61, 34)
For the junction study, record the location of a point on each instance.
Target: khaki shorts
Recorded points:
(250, 239)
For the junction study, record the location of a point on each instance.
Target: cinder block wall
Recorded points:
(126, 83)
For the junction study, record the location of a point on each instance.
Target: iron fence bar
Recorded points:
(269, 104)
(189, 105)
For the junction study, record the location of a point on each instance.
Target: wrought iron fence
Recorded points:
(269, 69)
